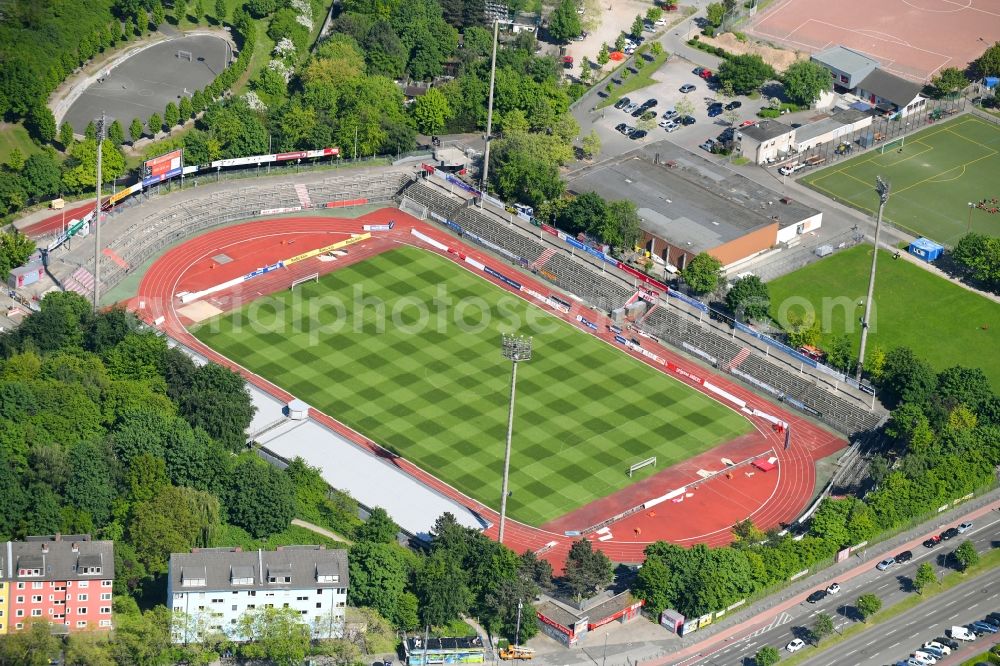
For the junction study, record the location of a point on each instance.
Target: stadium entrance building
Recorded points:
(569, 626)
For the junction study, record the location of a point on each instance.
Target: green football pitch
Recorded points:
(436, 392)
(938, 172)
(942, 322)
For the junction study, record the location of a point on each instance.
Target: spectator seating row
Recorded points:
(434, 199)
(509, 238)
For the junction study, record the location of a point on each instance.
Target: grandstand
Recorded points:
(608, 289)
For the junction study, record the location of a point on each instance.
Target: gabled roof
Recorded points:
(844, 59)
(220, 567)
(57, 558)
(888, 86)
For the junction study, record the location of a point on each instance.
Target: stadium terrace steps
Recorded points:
(509, 238)
(438, 202)
(739, 358)
(543, 258)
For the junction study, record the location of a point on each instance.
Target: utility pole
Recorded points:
(882, 188)
(516, 348)
(97, 216)
(489, 109)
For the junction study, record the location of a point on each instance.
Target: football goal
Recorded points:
(639, 465)
(185, 55)
(893, 145)
(307, 278)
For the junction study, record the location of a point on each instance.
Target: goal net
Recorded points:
(893, 145)
(308, 278)
(185, 55)
(639, 465)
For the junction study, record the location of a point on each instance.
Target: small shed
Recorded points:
(24, 276)
(297, 410)
(672, 620)
(926, 249)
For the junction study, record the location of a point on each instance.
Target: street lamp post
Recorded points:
(882, 188)
(971, 207)
(489, 111)
(515, 348)
(101, 127)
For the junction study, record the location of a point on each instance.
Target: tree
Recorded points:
(158, 14)
(378, 576)
(654, 14)
(703, 273)
(637, 25)
(15, 160)
(180, 10)
(622, 229)
(924, 577)
(81, 165)
(564, 24)
(199, 10)
(591, 145)
(90, 486)
(378, 528)
(715, 13)
(431, 112)
(184, 109)
(90, 131)
(259, 498)
(620, 43)
(135, 130)
(746, 73)
(170, 522)
(116, 133)
(36, 645)
(822, 627)
(220, 11)
(275, 634)
(875, 362)
(684, 107)
(216, 400)
(841, 353)
(440, 585)
(171, 116)
(587, 570)
(988, 64)
(749, 298)
(155, 124)
(198, 101)
(980, 255)
(805, 80)
(66, 137)
(867, 605)
(656, 48)
(906, 378)
(43, 175)
(966, 555)
(603, 56)
(767, 656)
(15, 248)
(949, 81)
(41, 123)
(142, 21)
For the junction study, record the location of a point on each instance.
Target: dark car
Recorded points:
(621, 127)
(638, 112)
(993, 618)
(650, 103)
(727, 134)
(933, 541)
(904, 557)
(818, 595)
(949, 533)
(735, 104)
(714, 111)
(688, 120)
(622, 103)
(944, 640)
(988, 626)
(637, 134)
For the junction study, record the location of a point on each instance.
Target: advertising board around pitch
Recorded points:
(163, 167)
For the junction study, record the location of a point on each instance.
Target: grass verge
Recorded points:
(987, 562)
(13, 135)
(635, 81)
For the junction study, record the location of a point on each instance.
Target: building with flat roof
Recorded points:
(62, 579)
(687, 205)
(842, 123)
(211, 589)
(847, 66)
(766, 141)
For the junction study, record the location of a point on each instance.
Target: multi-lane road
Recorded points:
(893, 640)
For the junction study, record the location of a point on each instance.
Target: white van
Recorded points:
(962, 634)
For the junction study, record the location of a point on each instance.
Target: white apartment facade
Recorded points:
(209, 590)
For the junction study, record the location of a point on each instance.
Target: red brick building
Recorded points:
(63, 579)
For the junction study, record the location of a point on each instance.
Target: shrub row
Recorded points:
(708, 48)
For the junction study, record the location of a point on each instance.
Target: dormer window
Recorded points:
(90, 571)
(279, 579)
(193, 582)
(29, 572)
(327, 578)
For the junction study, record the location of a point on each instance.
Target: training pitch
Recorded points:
(935, 176)
(940, 321)
(436, 393)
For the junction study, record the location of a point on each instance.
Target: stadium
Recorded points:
(265, 278)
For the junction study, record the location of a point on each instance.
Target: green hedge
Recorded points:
(708, 48)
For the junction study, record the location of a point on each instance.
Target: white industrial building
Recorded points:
(210, 589)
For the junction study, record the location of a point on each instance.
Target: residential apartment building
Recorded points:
(62, 579)
(210, 589)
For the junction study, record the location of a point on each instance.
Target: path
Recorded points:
(322, 531)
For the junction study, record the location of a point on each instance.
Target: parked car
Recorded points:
(932, 541)
(661, 21)
(650, 103)
(631, 107)
(708, 144)
(933, 651)
(834, 588)
(621, 127)
(796, 645)
(637, 134)
(949, 533)
(688, 120)
(672, 126)
(703, 72)
(964, 527)
(924, 657)
(940, 647)
(748, 123)
(904, 557)
(885, 564)
(817, 596)
(622, 103)
(688, 87)
(735, 104)
(714, 111)
(989, 627)
(993, 618)
(947, 642)
(669, 114)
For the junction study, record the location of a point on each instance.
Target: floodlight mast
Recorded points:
(101, 128)
(515, 348)
(882, 189)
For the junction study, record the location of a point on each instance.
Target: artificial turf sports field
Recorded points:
(437, 395)
(939, 171)
(942, 322)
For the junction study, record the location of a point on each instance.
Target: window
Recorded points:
(106, 596)
(178, 609)
(234, 606)
(37, 585)
(90, 571)
(319, 604)
(81, 610)
(328, 579)
(81, 597)
(83, 583)
(36, 598)
(105, 623)
(843, 79)
(29, 572)
(19, 625)
(105, 610)
(19, 612)
(106, 583)
(81, 623)
(302, 598)
(217, 601)
(59, 602)
(20, 599)
(36, 612)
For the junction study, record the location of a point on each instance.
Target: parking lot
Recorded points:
(666, 90)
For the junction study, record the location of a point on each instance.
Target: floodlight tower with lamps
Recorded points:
(971, 206)
(882, 189)
(515, 348)
(101, 127)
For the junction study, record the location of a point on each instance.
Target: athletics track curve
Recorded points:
(182, 268)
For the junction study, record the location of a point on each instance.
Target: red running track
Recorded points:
(704, 516)
(54, 223)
